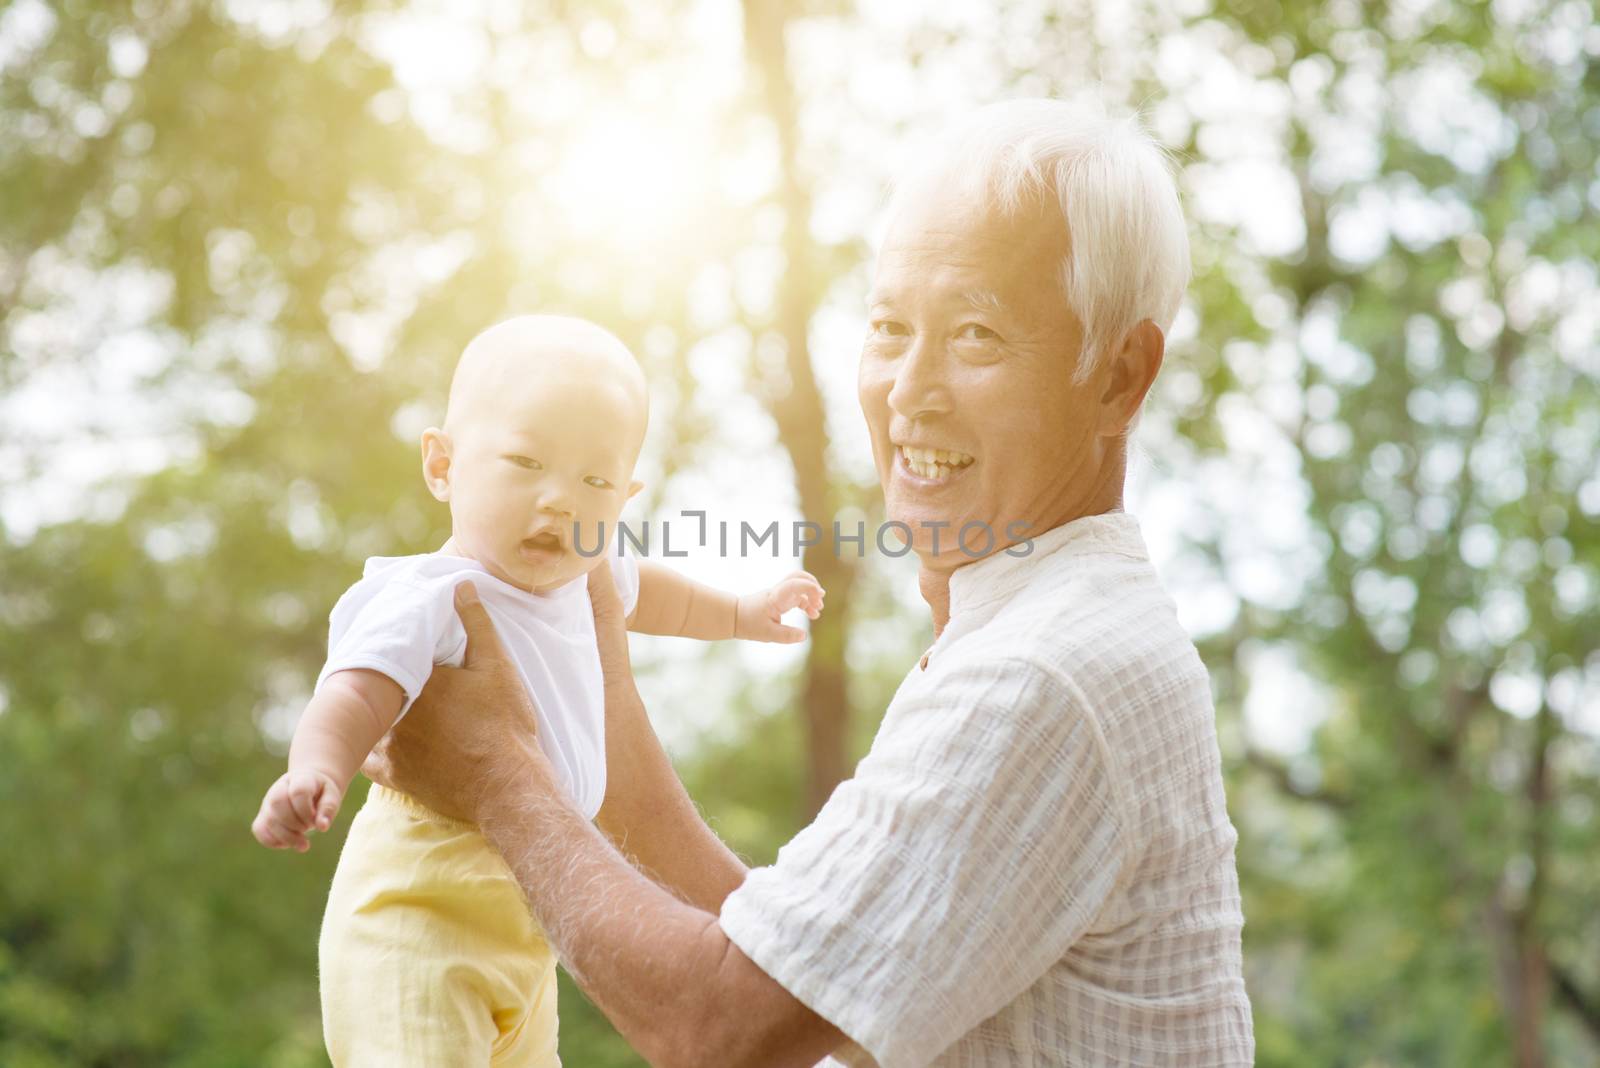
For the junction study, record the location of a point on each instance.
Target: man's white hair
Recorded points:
(1128, 246)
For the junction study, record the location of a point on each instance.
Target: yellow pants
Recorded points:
(429, 955)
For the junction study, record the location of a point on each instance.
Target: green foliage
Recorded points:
(1444, 430)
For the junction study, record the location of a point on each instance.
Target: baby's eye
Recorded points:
(889, 328)
(526, 461)
(597, 482)
(977, 332)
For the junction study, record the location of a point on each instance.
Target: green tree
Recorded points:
(310, 246)
(1418, 374)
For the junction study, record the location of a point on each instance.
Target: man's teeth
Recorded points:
(934, 463)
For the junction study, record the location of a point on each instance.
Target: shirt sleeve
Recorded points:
(395, 628)
(974, 846)
(625, 573)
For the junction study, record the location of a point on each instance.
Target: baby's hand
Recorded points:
(760, 617)
(299, 802)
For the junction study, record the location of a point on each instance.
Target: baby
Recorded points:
(428, 953)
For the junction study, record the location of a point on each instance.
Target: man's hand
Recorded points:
(299, 802)
(760, 615)
(471, 735)
(611, 636)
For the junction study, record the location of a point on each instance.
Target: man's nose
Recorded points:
(920, 383)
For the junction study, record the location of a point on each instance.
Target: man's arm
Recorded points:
(647, 813)
(661, 969)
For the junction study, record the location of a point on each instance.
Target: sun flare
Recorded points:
(625, 180)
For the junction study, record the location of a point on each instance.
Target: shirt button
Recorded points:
(925, 661)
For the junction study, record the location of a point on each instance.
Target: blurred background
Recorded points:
(243, 241)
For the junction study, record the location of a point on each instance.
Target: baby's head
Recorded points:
(545, 421)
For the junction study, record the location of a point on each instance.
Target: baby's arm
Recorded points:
(670, 603)
(345, 719)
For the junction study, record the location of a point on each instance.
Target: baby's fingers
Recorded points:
(303, 800)
(785, 635)
(811, 592)
(274, 834)
(263, 835)
(291, 836)
(803, 583)
(327, 808)
(283, 817)
(798, 590)
(772, 629)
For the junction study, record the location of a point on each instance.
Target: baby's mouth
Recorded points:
(547, 541)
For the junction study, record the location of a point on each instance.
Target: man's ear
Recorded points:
(633, 488)
(1129, 375)
(436, 462)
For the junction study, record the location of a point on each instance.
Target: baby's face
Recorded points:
(538, 464)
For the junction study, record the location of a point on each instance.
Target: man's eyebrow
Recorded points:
(984, 300)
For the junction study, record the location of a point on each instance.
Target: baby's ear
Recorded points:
(634, 487)
(436, 462)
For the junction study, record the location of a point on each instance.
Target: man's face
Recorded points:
(533, 463)
(966, 378)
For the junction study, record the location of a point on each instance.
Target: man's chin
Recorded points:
(945, 540)
(931, 534)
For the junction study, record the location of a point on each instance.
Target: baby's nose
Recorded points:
(557, 503)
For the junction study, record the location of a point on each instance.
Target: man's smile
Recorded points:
(932, 465)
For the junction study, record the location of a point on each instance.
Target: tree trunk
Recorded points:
(796, 406)
(1520, 953)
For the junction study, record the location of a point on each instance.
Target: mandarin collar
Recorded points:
(1001, 575)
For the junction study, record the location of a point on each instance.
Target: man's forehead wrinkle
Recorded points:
(948, 241)
(972, 266)
(976, 281)
(960, 254)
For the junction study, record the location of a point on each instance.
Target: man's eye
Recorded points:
(977, 332)
(526, 461)
(597, 482)
(889, 328)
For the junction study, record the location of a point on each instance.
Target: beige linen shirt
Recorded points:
(1034, 864)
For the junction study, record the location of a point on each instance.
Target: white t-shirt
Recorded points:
(400, 620)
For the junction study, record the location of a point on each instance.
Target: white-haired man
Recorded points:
(1034, 864)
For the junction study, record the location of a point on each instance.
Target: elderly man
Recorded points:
(1034, 864)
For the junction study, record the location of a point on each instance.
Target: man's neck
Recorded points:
(933, 579)
(935, 585)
